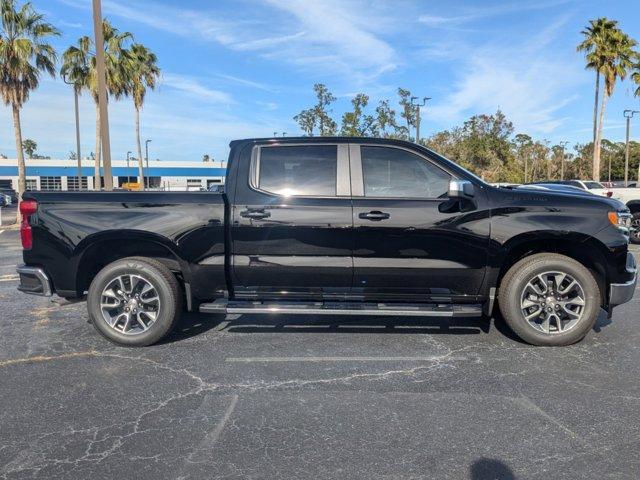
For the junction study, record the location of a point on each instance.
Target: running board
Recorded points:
(223, 306)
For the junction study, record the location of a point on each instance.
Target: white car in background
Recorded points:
(631, 198)
(596, 188)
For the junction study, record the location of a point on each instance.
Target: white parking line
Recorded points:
(432, 358)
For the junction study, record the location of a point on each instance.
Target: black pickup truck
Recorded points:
(340, 226)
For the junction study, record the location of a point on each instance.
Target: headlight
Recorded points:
(620, 220)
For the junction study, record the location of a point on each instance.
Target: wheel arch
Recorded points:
(581, 247)
(99, 250)
(634, 206)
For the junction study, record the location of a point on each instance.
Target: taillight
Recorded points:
(609, 194)
(27, 208)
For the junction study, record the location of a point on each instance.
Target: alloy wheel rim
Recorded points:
(130, 304)
(553, 302)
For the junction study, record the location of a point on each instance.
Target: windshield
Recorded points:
(592, 185)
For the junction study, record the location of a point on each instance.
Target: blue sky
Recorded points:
(240, 68)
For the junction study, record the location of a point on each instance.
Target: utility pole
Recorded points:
(128, 176)
(417, 107)
(102, 95)
(628, 114)
(78, 154)
(146, 157)
(562, 146)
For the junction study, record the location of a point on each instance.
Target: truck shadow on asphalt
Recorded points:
(194, 324)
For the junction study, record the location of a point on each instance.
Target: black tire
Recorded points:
(160, 278)
(513, 286)
(635, 231)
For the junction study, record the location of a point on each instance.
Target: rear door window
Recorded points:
(304, 170)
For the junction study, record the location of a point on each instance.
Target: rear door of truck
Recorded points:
(291, 222)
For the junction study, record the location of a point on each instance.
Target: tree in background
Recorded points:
(141, 72)
(594, 45)
(523, 145)
(409, 112)
(29, 146)
(24, 54)
(79, 67)
(319, 115)
(635, 76)
(353, 122)
(386, 122)
(610, 52)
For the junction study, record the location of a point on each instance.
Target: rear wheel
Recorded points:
(549, 299)
(635, 228)
(134, 301)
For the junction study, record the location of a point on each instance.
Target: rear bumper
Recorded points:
(620, 293)
(34, 281)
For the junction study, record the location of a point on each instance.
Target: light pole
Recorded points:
(628, 114)
(102, 95)
(417, 106)
(146, 158)
(78, 154)
(128, 176)
(562, 146)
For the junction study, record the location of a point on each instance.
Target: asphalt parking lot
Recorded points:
(311, 398)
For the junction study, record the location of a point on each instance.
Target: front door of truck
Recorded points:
(292, 227)
(411, 242)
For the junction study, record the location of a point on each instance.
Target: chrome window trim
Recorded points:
(357, 165)
(343, 183)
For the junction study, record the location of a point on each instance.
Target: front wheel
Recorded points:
(635, 229)
(549, 299)
(134, 302)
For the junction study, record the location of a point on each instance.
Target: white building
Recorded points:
(162, 175)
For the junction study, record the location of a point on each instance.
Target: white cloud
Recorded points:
(195, 88)
(472, 14)
(336, 38)
(526, 80)
(248, 83)
(329, 37)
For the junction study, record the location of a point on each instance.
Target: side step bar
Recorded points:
(223, 306)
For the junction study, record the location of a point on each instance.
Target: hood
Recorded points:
(542, 195)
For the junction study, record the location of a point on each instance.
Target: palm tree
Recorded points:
(618, 59)
(24, 54)
(79, 67)
(593, 45)
(143, 73)
(609, 52)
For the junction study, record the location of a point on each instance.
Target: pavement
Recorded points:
(311, 398)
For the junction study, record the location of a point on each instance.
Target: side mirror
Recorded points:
(461, 189)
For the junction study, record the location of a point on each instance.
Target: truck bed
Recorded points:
(71, 229)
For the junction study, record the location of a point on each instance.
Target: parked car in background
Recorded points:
(3, 200)
(631, 198)
(556, 188)
(596, 188)
(11, 193)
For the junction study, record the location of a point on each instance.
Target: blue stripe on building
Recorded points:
(117, 172)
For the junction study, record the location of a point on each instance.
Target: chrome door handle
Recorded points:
(255, 214)
(374, 215)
